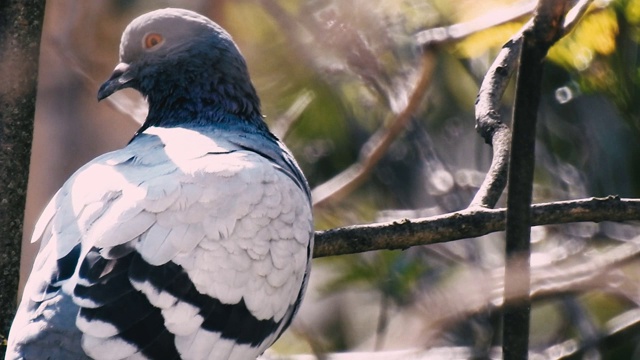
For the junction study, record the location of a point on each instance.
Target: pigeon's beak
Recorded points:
(120, 79)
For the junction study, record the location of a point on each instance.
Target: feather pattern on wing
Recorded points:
(207, 245)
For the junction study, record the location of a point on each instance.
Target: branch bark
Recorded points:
(469, 223)
(488, 121)
(20, 27)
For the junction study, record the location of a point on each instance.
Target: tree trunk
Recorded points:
(20, 30)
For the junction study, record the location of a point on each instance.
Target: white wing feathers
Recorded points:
(238, 226)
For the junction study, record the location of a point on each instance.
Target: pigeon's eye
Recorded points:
(152, 40)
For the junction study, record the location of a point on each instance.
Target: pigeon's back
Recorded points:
(192, 242)
(197, 252)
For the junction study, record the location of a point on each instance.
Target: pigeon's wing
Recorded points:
(181, 252)
(44, 326)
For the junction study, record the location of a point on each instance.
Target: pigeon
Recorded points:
(192, 242)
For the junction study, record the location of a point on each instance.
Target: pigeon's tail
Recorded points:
(51, 335)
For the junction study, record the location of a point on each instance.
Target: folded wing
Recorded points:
(197, 253)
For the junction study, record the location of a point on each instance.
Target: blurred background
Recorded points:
(333, 73)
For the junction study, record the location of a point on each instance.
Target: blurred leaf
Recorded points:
(632, 12)
(595, 34)
(393, 273)
(479, 43)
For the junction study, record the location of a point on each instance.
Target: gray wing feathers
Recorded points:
(233, 213)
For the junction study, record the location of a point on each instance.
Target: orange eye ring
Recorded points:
(152, 40)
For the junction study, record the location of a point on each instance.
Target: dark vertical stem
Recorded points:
(20, 30)
(546, 30)
(517, 272)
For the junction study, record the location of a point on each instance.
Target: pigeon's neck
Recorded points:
(214, 103)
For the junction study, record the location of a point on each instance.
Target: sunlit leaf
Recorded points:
(480, 42)
(632, 12)
(594, 35)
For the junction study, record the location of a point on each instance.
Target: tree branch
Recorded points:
(469, 223)
(488, 122)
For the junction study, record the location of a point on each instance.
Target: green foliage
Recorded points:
(594, 36)
(392, 273)
(589, 120)
(600, 55)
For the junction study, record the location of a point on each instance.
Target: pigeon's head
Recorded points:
(182, 61)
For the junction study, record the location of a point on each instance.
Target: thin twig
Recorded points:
(575, 14)
(377, 145)
(491, 127)
(284, 123)
(587, 275)
(457, 32)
